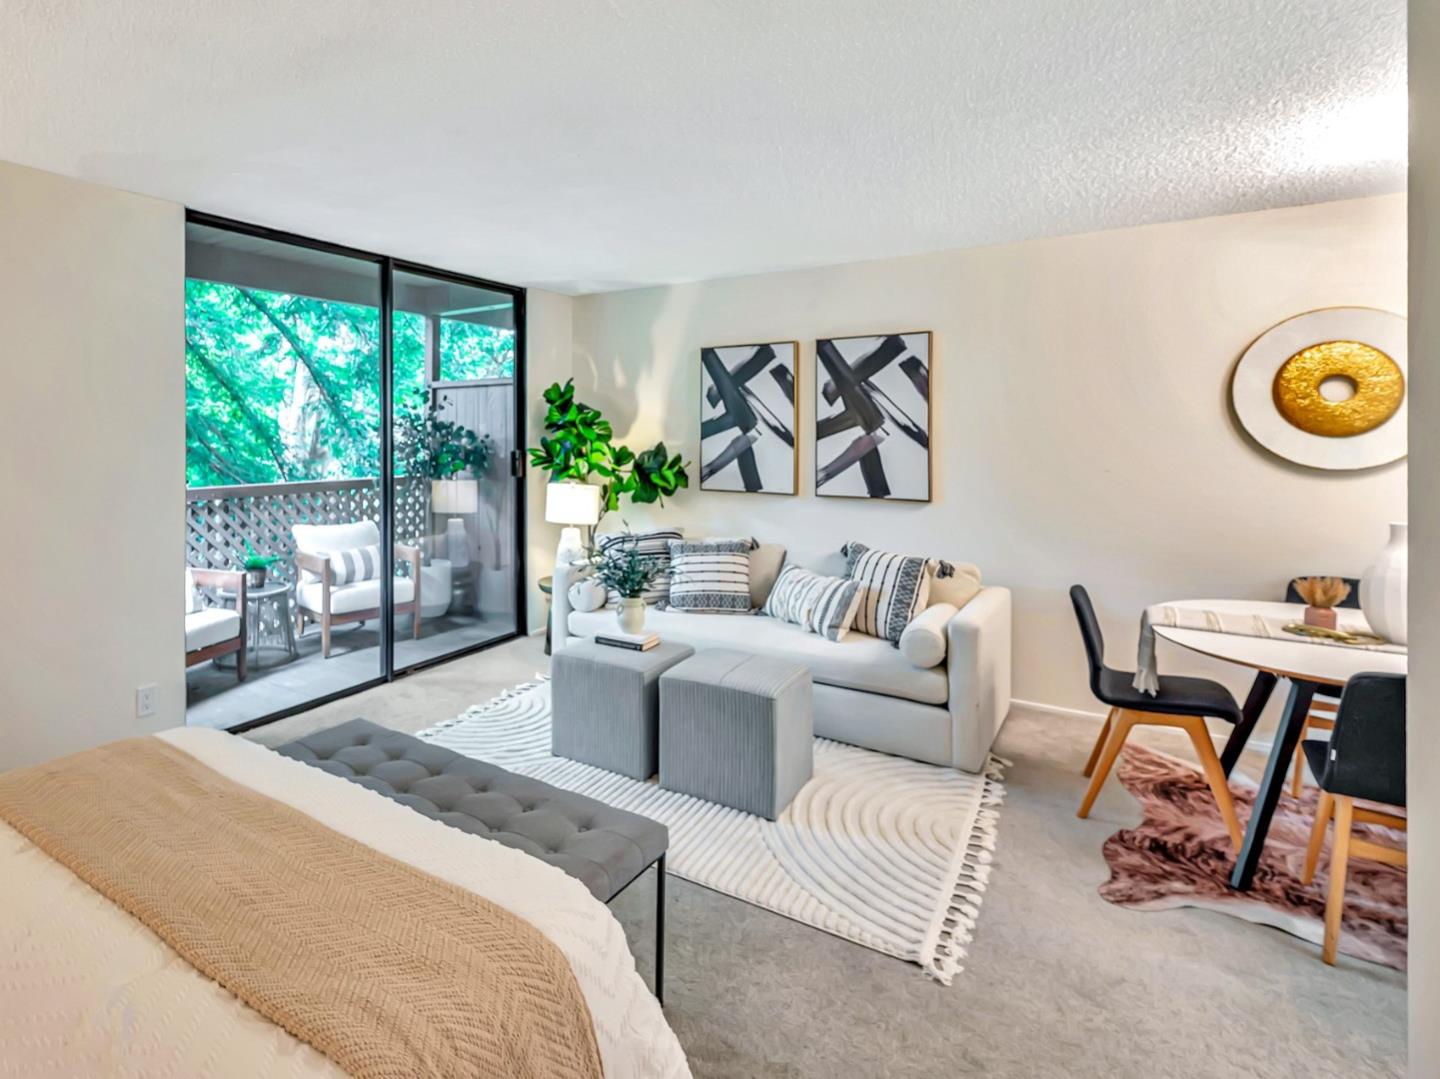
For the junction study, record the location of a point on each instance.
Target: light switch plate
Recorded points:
(145, 701)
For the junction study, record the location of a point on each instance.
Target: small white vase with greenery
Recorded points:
(624, 570)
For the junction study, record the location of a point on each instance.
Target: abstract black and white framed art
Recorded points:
(748, 418)
(872, 416)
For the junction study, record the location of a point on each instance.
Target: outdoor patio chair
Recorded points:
(339, 577)
(211, 632)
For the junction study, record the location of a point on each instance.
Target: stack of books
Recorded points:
(636, 642)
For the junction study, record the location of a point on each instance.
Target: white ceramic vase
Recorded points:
(1382, 588)
(632, 615)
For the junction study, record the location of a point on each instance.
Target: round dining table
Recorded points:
(1307, 665)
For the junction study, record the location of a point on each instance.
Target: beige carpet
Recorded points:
(1058, 982)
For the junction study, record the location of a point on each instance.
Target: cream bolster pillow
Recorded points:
(959, 588)
(923, 641)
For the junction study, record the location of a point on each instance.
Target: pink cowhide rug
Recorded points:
(1180, 856)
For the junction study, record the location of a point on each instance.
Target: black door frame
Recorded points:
(388, 267)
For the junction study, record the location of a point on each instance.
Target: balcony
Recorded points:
(467, 587)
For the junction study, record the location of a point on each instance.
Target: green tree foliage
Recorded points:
(287, 388)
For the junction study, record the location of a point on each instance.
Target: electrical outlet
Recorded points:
(145, 701)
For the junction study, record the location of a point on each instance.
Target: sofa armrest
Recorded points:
(563, 576)
(978, 663)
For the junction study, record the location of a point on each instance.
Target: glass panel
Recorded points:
(282, 462)
(455, 501)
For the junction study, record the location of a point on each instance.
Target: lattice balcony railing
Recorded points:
(219, 520)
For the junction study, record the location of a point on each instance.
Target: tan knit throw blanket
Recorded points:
(385, 969)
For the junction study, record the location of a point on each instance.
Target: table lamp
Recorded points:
(455, 497)
(571, 504)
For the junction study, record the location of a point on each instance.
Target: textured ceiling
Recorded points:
(584, 145)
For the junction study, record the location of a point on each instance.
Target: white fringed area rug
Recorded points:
(886, 852)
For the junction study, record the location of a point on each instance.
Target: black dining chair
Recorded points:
(1181, 702)
(1365, 759)
(1327, 698)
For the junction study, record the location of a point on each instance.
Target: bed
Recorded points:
(107, 986)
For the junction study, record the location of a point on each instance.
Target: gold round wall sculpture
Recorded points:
(1327, 388)
(1375, 384)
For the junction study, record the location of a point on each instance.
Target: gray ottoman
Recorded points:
(605, 704)
(736, 729)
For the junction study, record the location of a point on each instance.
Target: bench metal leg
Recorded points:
(660, 930)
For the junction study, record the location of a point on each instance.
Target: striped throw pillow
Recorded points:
(823, 605)
(654, 545)
(894, 588)
(710, 575)
(357, 564)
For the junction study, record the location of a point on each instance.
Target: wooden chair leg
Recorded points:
(1119, 731)
(325, 637)
(1339, 864)
(1099, 743)
(1297, 779)
(1323, 812)
(415, 623)
(1215, 776)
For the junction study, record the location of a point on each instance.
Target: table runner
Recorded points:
(1237, 623)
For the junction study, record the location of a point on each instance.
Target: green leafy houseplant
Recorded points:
(625, 570)
(579, 444)
(433, 447)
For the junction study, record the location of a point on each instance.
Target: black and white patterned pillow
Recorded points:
(652, 545)
(894, 588)
(357, 564)
(823, 605)
(710, 575)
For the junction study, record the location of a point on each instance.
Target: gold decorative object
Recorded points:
(1321, 595)
(1284, 388)
(1376, 380)
(1333, 634)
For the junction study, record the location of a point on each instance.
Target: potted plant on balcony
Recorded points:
(452, 457)
(625, 570)
(257, 566)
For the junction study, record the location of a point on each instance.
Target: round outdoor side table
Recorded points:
(269, 623)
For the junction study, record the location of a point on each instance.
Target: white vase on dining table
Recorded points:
(1382, 588)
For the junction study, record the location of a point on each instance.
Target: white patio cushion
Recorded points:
(210, 626)
(323, 539)
(857, 662)
(360, 596)
(192, 594)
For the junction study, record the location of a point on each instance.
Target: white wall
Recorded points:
(92, 463)
(548, 332)
(1423, 743)
(1081, 429)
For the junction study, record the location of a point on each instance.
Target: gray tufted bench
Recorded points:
(604, 848)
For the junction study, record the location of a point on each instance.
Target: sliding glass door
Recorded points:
(455, 349)
(351, 509)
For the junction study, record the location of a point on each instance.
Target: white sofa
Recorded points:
(866, 692)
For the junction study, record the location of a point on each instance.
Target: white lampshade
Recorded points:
(454, 496)
(572, 503)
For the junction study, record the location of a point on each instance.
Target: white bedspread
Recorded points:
(85, 989)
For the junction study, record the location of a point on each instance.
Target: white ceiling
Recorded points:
(583, 145)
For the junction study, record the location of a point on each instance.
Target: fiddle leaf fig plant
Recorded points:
(437, 448)
(579, 443)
